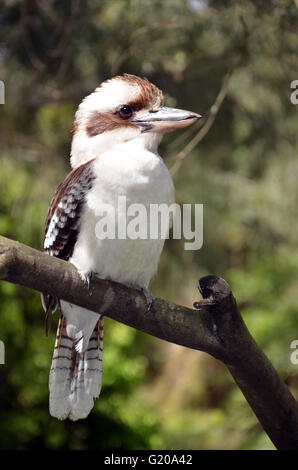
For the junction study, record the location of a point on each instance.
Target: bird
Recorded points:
(114, 153)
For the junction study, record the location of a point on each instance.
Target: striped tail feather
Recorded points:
(75, 377)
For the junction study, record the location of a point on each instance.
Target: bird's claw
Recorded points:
(149, 298)
(87, 278)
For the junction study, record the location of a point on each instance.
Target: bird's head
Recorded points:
(122, 109)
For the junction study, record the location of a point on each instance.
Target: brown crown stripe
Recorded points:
(149, 93)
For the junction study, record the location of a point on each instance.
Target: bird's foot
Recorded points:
(149, 298)
(87, 278)
(146, 292)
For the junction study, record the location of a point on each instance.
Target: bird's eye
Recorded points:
(125, 112)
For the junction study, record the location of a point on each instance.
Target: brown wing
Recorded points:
(63, 219)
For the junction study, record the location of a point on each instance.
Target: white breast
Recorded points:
(142, 177)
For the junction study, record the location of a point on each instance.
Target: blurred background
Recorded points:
(52, 53)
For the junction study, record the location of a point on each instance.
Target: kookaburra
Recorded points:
(115, 136)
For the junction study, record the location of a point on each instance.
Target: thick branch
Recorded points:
(216, 328)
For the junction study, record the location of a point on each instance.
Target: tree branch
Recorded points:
(216, 328)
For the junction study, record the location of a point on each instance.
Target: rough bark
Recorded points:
(216, 327)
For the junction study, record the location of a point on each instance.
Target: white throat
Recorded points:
(84, 148)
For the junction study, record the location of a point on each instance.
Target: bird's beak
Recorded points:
(165, 120)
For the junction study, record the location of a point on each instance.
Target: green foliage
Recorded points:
(156, 395)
